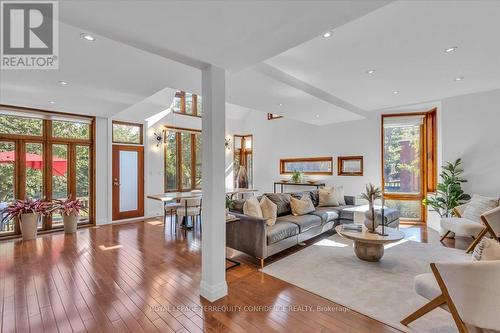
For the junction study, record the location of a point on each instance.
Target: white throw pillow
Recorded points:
(269, 210)
(327, 197)
(479, 205)
(251, 207)
(302, 206)
(487, 249)
(339, 191)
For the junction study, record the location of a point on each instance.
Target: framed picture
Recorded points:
(309, 166)
(350, 165)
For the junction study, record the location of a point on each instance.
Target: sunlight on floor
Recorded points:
(155, 222)
(388, 246)
(329, 242)
(107, 248)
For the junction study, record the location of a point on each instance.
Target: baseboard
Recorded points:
(213, 292)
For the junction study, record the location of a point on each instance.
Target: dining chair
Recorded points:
(189, 208)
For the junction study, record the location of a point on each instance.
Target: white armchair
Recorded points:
(468, 290)
(488, 224)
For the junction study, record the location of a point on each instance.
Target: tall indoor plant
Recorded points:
(371, 194)
(28, 212)
(449, 193)
(70, 212)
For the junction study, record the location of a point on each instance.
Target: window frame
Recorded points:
(428, 159)
(48, 140)
(178, 132)
(194, 104)
(327, 159)
(119, 122)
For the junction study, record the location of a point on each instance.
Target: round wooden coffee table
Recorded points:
(370, 246)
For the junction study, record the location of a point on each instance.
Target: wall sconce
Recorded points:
(227, 143)
(158, 138)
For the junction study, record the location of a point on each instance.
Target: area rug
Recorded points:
(383, 290)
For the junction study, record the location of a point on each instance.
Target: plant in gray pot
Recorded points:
(28, 212)
(70, 212)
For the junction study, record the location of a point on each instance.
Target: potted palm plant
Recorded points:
(371, 194)
(28, 212)
(70, 212)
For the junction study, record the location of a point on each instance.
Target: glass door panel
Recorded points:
(34, 172)
(128, 180)
(186, 160)
(7, 181)
(408, 209)
(83, 179)
(170, 161)
(59, 177)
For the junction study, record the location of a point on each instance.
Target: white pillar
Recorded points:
(213, 246)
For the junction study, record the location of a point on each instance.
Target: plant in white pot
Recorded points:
(70, 212)
(28, 212)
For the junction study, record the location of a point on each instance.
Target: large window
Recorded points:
(127, 133)
(182, 159)
(45, 155)
(409, 159)
(187, 103)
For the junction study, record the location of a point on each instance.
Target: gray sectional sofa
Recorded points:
(252, 235)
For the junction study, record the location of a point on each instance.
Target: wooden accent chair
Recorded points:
(468, 290)
(489, 224)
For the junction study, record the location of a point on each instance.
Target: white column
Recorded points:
(213, 246)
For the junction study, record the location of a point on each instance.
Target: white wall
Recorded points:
(471, 130)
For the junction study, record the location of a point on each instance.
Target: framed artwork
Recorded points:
(308, 166)
(350, 165)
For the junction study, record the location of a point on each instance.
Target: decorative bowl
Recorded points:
(285, 180)
(312, 182)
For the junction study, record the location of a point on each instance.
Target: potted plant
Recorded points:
(449, 193)
(297, 176)
(70, 212)
(229, 204)
(371, 194)
(28, 212)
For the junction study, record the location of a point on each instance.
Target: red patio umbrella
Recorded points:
(35, 161)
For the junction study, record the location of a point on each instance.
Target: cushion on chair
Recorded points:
(427, 286)
(477, 206)
(487, 249)
(251, 207)
(302, 206)
(327, 197)
(269, 210)
(282, 200)
(462, 226)
(191, 211)
(281, 230)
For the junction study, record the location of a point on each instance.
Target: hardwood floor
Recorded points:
(139, 277)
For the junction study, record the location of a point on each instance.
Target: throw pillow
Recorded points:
(302, 206)
(251, 207)
(269, 210)
(339, 191)
(327, 197)
(479, 205)
(282, 200)
(487, 249)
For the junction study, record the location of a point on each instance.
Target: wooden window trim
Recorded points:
(178, 131)
(194, 105)
(307, 159)
(340, 161)
(141, 132)
(271, 116)
(47, 140)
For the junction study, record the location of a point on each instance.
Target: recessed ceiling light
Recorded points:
(460, 78)
(63, 83)
(52, 102)
(317, 116)
(451, 49)
(87, 37)
(327, 34)
(370, 71)
(395, 92)
(281, 104)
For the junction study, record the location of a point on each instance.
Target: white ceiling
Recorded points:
(273, 53)
(404, 42)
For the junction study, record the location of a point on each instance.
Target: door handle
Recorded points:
(116, 183)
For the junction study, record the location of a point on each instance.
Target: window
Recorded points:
(272, 116)
(127, 133)
(243, 158)
(409, 161)
(187, 104)
(309, 166)
(182, 159)
(43, 154)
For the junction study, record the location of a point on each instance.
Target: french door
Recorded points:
(408, 162)
(128, 181)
